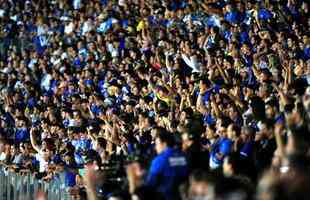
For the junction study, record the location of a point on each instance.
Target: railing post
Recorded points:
(2, 184)
(8, 185)
(14, 186)
(28, 185)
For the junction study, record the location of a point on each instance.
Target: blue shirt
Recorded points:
(95, 109)
(209, 119)
(247, 149)
(205, 96)
(232, 17)
(264, 14)
(212, 21)
(83, 144)
(227, 35)
(89, 82)
(224, 147)
(244, 37)
(70, 178)
(31, 102)
(306, 53)
(105, 26)
(280, 118)
(167, 170)
(22, 135)
(8, 118)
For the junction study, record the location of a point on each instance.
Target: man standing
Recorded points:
(169, 168)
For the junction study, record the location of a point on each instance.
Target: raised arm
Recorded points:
(283, 98)
(215, 106)
(115, 131)
(226, 78)
(233, 97)
(33, 141)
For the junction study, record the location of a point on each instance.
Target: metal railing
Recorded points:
(14, 186)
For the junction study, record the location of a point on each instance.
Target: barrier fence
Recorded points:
(14, 186)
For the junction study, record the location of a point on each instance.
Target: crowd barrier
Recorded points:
(14, 186)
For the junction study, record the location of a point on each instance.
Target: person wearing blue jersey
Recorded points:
(169, 168)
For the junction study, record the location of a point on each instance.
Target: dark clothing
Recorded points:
(265, 149)
(168, 170)
(197, 158)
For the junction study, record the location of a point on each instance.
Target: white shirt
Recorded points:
(32, 63)
(112, 50)
(87, 26)
(41, 30)
(43, 164)
(2, 156)
(191, 62)
(69, 28)
(46, 81)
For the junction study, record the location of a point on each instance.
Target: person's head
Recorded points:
(163, 141)
(14, 150)
(271, 108)
(21, 123)
(101, 143)
(298, 141)
(3, 142)
(24, 149)
(234, 188)
(214, 30)
(92, 158)
(155, 132)
(162, 91)
(233, 131)
(135, 90)
(47, 154)
(44, 143)
(204, 84)
(284, 186)
(186, 114)
(68, 158)
(248, 93)
(263, 91)
(129, 108)
(148, 122)
(265, 76)
(247, 133)
(228, 61)
(257, 106)
(266, 128)
(201, 185)
(233, 112)
(210, 132)
(222, 125)
(232, 165)
(187, 140)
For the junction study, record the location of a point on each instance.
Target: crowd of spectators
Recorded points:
(158, 99)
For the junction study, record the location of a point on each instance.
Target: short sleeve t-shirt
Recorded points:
(43, 164)
(224, 147)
